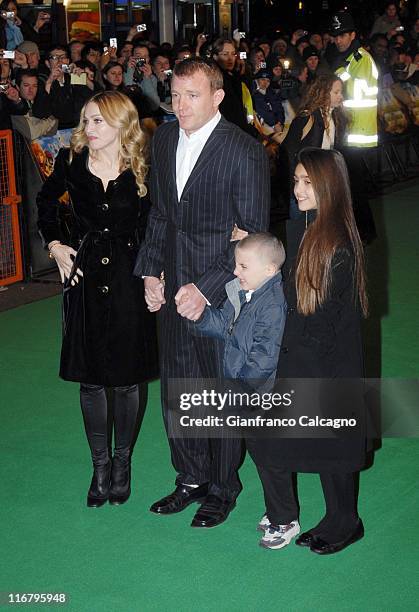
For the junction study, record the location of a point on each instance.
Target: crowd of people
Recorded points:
(190, 242)
(265, 79)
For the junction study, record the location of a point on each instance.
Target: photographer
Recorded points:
(233, 105)
(27, 97)
(113, 77)
(14, 30)
(140, 74)
(162, 71)
(58, 86)
(83, 85)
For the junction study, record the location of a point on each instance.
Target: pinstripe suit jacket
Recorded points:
(189, 239)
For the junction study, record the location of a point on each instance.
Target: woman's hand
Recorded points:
(63, 255)
(238, 234)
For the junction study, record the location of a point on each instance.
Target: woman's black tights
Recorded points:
(94, 406)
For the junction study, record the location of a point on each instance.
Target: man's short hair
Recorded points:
(267, 245)
(192, 65)
(26, 72)
(56, 47)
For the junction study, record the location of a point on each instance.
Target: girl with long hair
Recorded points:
(108, 333)
(326, 295)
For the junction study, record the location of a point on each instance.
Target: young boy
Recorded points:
(251, 324)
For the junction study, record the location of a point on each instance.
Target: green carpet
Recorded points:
(127, 559)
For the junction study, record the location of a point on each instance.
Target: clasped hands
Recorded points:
(189, 300)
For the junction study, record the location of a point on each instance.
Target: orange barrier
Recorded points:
(11, 269)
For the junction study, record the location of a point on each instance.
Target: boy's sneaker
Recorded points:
(264, 524)
(278, 536)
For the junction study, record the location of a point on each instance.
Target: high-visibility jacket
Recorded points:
(359, 76)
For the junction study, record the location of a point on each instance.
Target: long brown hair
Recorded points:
(317, 97)
(333, 228)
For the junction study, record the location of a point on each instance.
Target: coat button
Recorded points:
(104, 289)
(105, 206)
(284, 349)
(105, 261)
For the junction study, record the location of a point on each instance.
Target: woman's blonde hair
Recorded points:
(119, 112)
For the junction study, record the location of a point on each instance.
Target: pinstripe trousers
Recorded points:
(196, 460)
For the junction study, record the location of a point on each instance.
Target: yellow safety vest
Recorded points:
(359, 77)
(247, 103)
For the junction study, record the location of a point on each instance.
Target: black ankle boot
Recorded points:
(98, 493)
(120, 479)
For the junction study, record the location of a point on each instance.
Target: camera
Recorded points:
(242, 55)
(113, 42)
(8, 55)
(400, 29)
(141, 27)
(65, 68)
(168, 73)
(140, 62)
(3, 87)
(262, 65)
(242, 34)
(8, 14)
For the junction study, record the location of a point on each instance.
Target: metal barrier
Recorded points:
(11, 269)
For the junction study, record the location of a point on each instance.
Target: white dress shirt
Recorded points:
(188, 150)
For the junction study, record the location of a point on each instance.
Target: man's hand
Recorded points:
(20, 60)
(146, 70)
(12, 94)
(190, 302)
(154, 293)
(41, 20)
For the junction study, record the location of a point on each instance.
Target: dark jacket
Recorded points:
(108, 333)
(62, 103)
(232, 107)
(325, 345)
(251, 331)
(40, 108)
(269, 106)
(189, 238)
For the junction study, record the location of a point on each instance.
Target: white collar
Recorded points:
(203, 133)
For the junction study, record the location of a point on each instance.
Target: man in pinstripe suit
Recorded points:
(206, 175)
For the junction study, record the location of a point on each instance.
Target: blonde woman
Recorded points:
(108, 333)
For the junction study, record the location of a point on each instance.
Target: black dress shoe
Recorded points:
(213, 512)
(321, 547)
(98, 493)
(181, 497)
(120, 481)
(305, 539)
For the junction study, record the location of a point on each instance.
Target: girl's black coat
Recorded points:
(325, 345)
(108, 334)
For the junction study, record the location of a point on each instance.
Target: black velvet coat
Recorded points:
(108, 333)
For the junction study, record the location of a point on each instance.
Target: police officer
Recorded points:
(356, 68)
